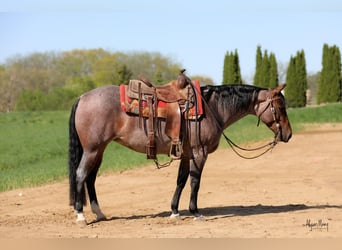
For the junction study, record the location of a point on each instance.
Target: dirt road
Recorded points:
(294, 191)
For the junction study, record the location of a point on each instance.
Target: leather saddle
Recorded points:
(169, 92)
(176, 94)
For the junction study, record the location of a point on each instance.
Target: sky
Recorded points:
(195, 33)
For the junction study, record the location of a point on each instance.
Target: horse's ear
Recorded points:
(278, 89)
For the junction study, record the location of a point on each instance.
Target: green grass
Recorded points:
(319, 114)
(246, 129)
(34, 145)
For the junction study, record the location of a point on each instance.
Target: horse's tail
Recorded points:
(75, 155)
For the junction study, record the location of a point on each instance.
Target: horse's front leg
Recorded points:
(183, 173)
(196, 167)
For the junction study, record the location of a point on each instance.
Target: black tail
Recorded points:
(75, 155)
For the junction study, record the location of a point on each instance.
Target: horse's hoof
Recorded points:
(81, 223)
(199, 217)
(81, 219)
(101, 218)
(175, 216)
(96, 210)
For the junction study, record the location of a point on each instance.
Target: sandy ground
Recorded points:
(276, 196)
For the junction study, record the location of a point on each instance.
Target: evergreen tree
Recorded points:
(301, 78)
(322, 91)
(258, 66)
(122, 75)
(329, 84)
(227, 69)
(296, 81)
(231, 69)
(266, 70)
(273, 72)
(237, 71)
(291, 90)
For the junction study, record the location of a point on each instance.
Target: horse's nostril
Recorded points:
(287, 138)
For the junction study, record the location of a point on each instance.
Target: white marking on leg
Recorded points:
(175, 216)
(199, 217)
(80, 217)
(96, 210)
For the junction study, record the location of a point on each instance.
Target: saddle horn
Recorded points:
(182, 79)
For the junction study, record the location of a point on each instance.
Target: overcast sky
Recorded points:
(196, 34)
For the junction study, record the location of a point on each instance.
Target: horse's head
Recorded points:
(271, 109)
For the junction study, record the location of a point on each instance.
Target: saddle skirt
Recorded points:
(129, 99)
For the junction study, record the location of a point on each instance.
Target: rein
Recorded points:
(269, 146)
(233, 145)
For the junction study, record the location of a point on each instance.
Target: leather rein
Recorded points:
(269, 146)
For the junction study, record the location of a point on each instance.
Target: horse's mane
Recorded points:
(231, 95)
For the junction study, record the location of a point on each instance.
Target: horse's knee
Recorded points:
(195, 183)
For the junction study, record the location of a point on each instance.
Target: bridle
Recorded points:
(270, 104)
(270, 145)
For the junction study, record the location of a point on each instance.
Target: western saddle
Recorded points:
(176, 94)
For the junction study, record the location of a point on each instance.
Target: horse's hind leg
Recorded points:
(86, 170)
(95, 208)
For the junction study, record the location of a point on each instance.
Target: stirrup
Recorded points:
(176, 150)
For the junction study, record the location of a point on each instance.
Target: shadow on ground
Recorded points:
(213, 213)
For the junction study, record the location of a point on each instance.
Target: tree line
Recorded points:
(53, 80)
(297, 92)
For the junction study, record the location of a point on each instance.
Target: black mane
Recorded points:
(232, 95)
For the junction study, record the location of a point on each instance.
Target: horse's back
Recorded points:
(101, 95)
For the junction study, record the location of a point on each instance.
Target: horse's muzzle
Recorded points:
(284, 136)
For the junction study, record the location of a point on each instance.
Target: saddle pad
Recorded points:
(191, 114)
(131, 105)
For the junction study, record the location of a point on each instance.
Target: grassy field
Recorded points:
(34, 145)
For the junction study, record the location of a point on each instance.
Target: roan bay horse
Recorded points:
(97, 119)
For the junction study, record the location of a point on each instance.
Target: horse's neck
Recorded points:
(233, 107)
